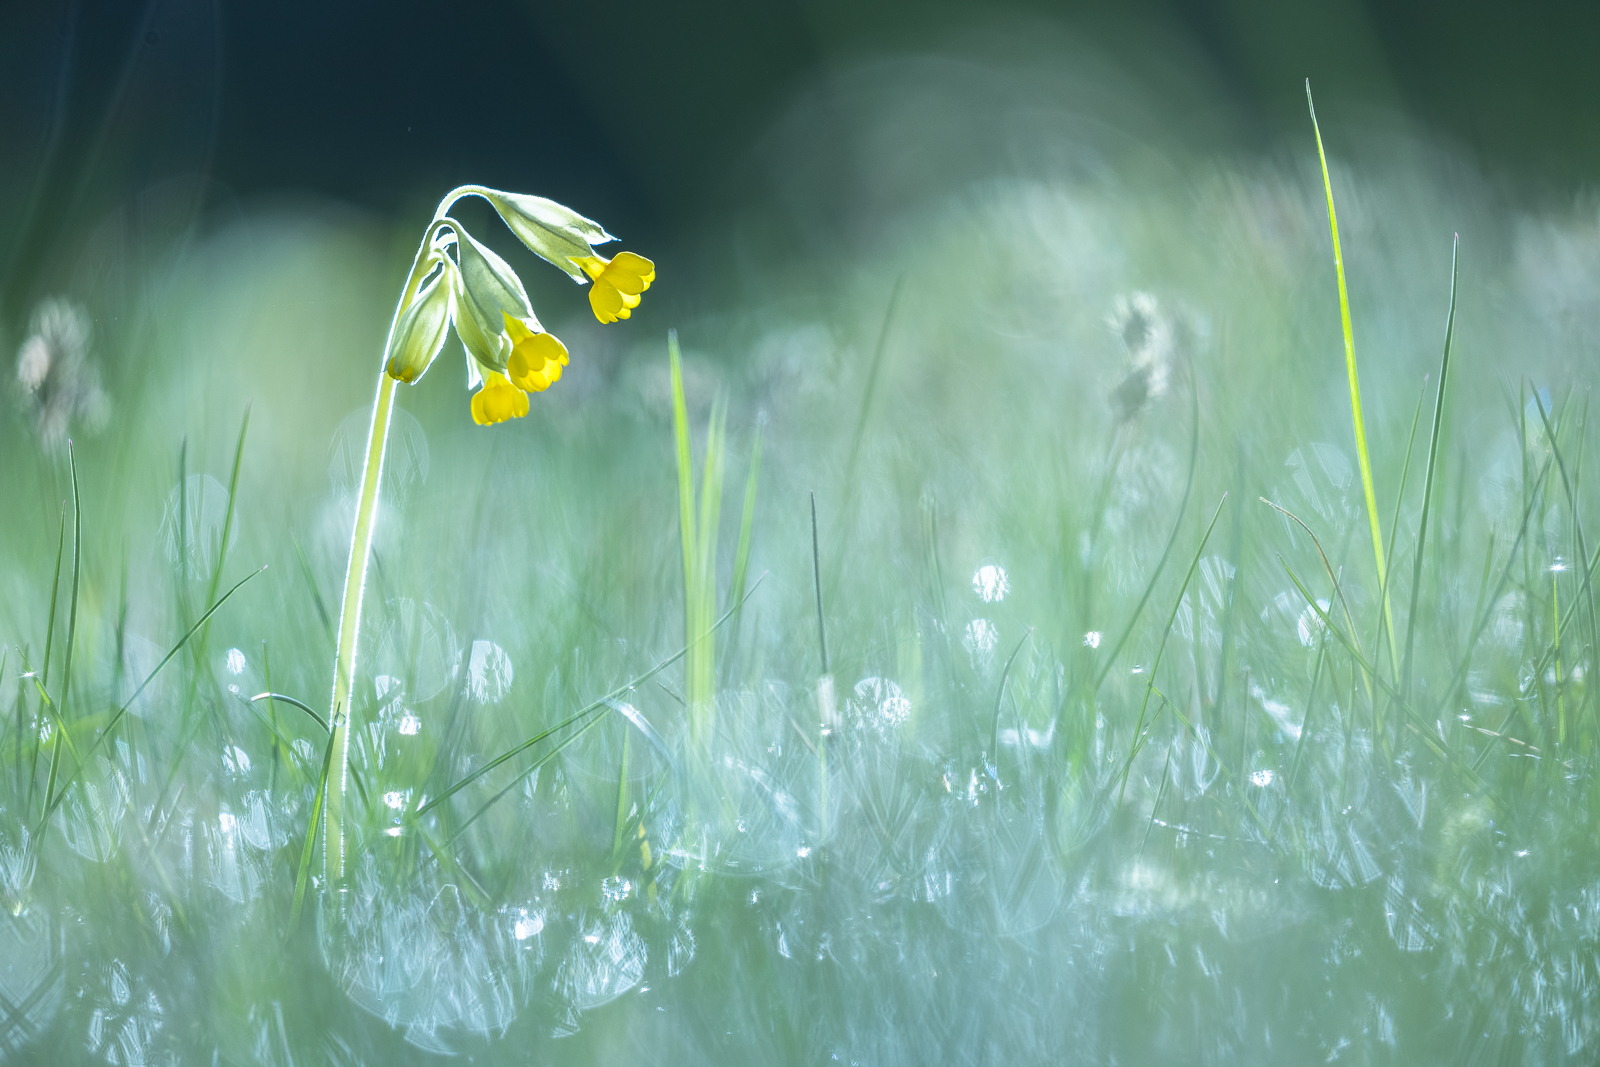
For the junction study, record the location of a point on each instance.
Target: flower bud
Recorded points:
(486, 290)
(419, 333)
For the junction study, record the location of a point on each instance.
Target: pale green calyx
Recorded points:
(486, 290)
(555, 233)
(421, 328)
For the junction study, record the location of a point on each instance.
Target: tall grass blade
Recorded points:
(63, 736)
(741, 557)
(1569, 485)
(1394, 529)
(302, 877)
(55, 588)
(1355, 384)
(816, 582)
(116, 716)
(603, 703)
(1150, 682)
(872, 384)
(680, 433)
(1172, 538)
(1433, 466)
(316, 594)
(999, 697)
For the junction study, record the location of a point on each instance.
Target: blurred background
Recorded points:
(659, 119)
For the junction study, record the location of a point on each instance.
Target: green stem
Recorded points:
(344, 668)
(336, 777)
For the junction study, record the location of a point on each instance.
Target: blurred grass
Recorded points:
(969, 829)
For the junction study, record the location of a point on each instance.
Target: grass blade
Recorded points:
(816, 581)
(307, 851)
(1172, 538)
(604, 702)
(1172, 616)
(55, 587)
(999, 696)
(741, 557)
(1355, 384)
(123, 710)
(269, 696)
(72, 603)
(1433, 466)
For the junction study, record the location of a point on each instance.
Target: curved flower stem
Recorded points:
(337, 770)
(344, 669)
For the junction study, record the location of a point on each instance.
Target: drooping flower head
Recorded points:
(509, 354)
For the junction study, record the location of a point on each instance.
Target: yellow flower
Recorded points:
(498, 401)
(536, 357)
(617, 283)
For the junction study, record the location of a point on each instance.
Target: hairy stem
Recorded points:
(344, 664)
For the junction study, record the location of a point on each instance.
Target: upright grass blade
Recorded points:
(116, 716)
(1150, 681)
(702, 657)
(55, 589)
(999, 696)
(847, 511)
(1415, 722)
(1394, 528)
(1172, 538)
(64, 738)
(816, 581)
(316, 594)
(872, 384)
(1569, 485)
(1355, 384)
(621, 822)
(1433, 466)
(680, 434)
(605, 702)
(699, 534)
(741, 557)
(307, 851)
(227, 519)
(197, 651)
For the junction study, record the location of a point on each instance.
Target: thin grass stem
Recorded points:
(1433, 466)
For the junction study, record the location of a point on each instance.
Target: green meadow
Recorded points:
(972, 628)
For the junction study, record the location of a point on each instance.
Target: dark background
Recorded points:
(644, 112)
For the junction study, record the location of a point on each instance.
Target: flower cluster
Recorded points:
(458, 281)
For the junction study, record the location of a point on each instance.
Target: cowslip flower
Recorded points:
(457, 281)
(565, 239)
(618, 281)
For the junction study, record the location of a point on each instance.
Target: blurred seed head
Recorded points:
(1147, 333)
(58, 382)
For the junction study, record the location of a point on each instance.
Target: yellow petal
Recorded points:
(498, 401)
(609, 305)
(536, 362)
(630, 273)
